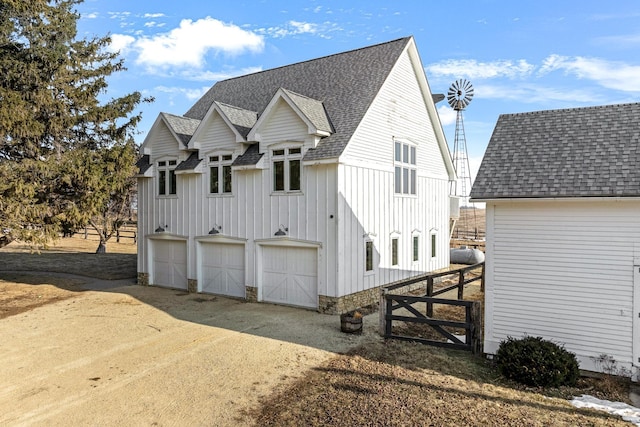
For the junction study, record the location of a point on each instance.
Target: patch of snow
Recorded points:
(627, 412)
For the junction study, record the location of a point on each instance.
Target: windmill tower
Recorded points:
(459, 96)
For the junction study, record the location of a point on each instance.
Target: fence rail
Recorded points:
(472, 325)
(120, 234)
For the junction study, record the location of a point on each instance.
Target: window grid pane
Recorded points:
(413, 181)
(369, 256)
(405, 153)
(214, 186)
(278, 176)
(398, 150)
(398, 180)
(226, 178)
(394, 251)
(294, 175)
(162, 182)
(173, 189)
(405, 180)
(433, 246)
(416, 248)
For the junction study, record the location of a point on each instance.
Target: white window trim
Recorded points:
(220, 164)
(406, 163)
(286, 158)
(167, 165)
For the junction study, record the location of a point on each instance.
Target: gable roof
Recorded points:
(345, 83)
(312, 109)
(243, 120)
(182, 127)
(578, 152)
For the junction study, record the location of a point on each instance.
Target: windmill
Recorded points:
(459, 96)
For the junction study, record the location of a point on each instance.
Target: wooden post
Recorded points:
(461, 284)
(476, 328)
(135, 237)
(382, 310)
(118, 236)
(388, 311)
(430, 294)
(482, 278)
(85, 232)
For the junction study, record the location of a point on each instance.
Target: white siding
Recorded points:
(163, 142)
(283, 124)
(564, 271)
(217, 136)
(399, 111)
(369, 209)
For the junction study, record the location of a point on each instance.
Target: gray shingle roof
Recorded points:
(578, 152)
(143, 164)
(184, 127)
(346, 83)
(250, 157)
(242, 119)
(312, 109)
(190, 164)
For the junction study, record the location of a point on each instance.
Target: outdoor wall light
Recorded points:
(282, 231)
(160, 229)
(216, 229)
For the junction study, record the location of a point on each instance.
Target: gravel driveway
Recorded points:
(149, 356)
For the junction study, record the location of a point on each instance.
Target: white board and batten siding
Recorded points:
(565, 271)
(368, 207)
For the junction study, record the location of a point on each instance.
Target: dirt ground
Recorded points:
(135, 355)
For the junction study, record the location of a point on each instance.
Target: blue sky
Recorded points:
(519, 55)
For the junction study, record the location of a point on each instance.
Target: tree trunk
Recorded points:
(102, 248)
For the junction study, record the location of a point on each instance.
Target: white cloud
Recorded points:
(447, 115)
(191, 94)
(532, 93)
(92, 15)
(470, 68)
(187, 45)
(291, 28)
(624, 41)
(121, 42)
(212, 76)
(609, 74)
(153, 15)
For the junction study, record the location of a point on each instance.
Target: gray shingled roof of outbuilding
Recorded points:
(578, 152)
(184, 127)
(346, 83)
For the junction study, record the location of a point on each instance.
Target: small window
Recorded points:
(433, 246)
(167, 181)
(394, 251)
(287, 169)
(368, 249)
(405, 175)
(220, 176)
(416, 248)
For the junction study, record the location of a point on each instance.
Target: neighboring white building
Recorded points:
(562, 192)
(310, 185)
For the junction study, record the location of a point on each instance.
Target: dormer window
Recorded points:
(287, 169)
(167, 184)
(220, 178)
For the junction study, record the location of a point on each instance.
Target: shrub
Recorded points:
(537, 362)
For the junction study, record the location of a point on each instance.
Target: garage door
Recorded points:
(170, 263)
(223, 269)
(290, 276)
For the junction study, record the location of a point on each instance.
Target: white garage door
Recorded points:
(223, 269)
(290, 276)
(170, 264)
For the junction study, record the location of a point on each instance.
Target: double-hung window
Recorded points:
(287, 164)
(220, 178)
(405, 168)
(167, 184)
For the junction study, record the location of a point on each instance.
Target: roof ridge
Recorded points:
(557, 110)
(318, 58)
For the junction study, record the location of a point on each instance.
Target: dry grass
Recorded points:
(73, 255)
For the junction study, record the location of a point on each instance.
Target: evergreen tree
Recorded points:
(54, 129)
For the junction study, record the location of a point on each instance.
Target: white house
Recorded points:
(562, 191)
(311, 184)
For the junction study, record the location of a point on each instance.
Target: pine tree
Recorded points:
(51, 118)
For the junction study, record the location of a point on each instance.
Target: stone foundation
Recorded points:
(251, 294)
(192, 286)
(143, 279)
(339, 305)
